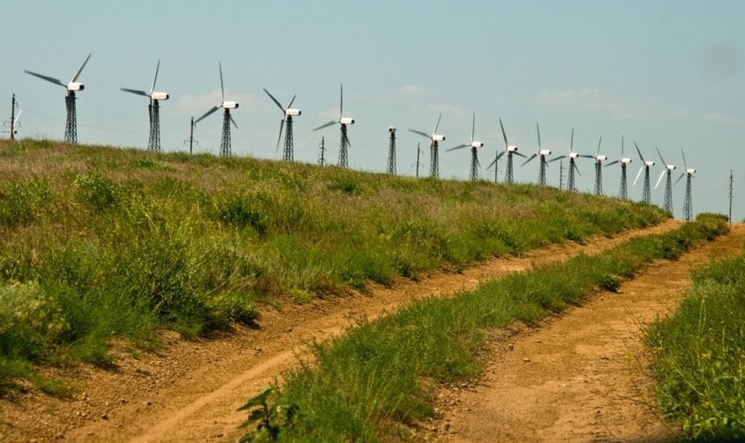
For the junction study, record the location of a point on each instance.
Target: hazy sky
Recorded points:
(662, 73)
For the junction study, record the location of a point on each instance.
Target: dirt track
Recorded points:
(190, 390)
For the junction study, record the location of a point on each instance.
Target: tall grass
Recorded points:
(380, 374)
(699, 355)
(116, 243)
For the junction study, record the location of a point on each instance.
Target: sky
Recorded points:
(666, 74)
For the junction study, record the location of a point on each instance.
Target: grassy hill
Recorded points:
(101, 242)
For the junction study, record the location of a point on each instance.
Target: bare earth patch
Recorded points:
(190, 390)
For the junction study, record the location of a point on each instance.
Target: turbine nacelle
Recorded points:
(293, 112)
(160, 96)
(625, 160)
(649, 163)
(438, 138)
(75, 86)
(511, 148)
(670, 167)
(477, 144)
(346, 121)
(601, 158)
(690, 171)
(544, 152)
(392, 129)
(573, 155)
(229, 105)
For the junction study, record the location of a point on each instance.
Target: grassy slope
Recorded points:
(100, 242)
(699, 355)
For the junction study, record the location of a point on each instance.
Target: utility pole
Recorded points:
(321, 158)
(418, 152)
(13, 117)
(731, 190)
(191, 136)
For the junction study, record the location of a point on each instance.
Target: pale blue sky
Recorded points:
(662, 73)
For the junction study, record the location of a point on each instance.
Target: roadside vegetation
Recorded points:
(699, 355)
(101, 243)
(378, 378)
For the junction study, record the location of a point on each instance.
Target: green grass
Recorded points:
(368, 384)
(101, 243)
(699, 355)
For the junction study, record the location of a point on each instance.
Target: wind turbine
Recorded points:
(511, 151)
(474, 145)
(572, 156)
(343, 123)
(623, 192)
(646, 164)
(435, 139)
(73, 86)
(227, 119)
(599, 159)
(668, 203)
(153, 142)
(543, 153)
(287, 114)
(688, 202)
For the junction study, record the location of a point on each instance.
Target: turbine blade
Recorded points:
(47, 78)
(77, 74)
(504, 134)
(660, 179)
(292, 101)
(622, 146)
(478, 163)
(639, 152)
(18, 117)
(681, 176)
(599, 141)
(325, 125)
(571, 142)
(557, 158)
(576, 169)
(586, 156)
(538, 131)
(233, 122)
(437, 125)
(457, 147)
(493, 162)
(612, 163)
(341, 100)
(136, 91)
(421, 133)
(157, 69)
(500, 155)
(685, 163)
(222, 86)
(529, 159)
(279, 137)
(214, 108)
(660, 154)
(275, 101)
(638, 174)
(473, 126)
(519, 153)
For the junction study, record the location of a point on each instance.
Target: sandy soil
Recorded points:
(190, 390)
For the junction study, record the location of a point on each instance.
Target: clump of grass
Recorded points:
(699, 355)
(365, 385)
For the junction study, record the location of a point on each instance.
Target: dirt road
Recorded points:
(582, 377)
(190, 390)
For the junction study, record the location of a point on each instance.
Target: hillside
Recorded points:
(102, 243)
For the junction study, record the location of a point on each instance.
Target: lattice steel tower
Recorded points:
(391, 150)
(227, 119)
(511, 151)
(153, 110)
(343, 123)
(474, 145)
(435, 139)
(287, 115)
(225, 148)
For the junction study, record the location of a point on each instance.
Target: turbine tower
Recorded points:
(73, 86)
(392, 150)
(624, 161)
(646, 164)
(599, 159)
(688, 202)
(511, 151)
(343, 123)
(435, 139)
(287, 115)
(153, 109)
(227, 119)
(474, 145)
(668, 203)
(572, 156)
(543, 153)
